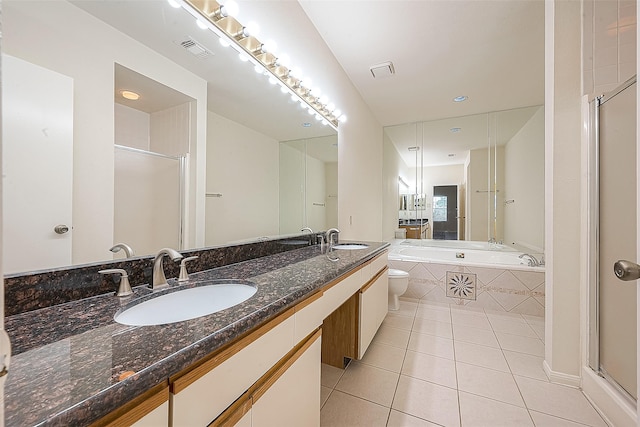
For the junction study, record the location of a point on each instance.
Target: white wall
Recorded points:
(562, 190)
(479, 210)
(392, 168)
(524, 184)
(242, 165)
(359, 139)
(132, 127)
(89, 59)
(331, 178)
(170, 130)
(609, 44)
(316, 194)
(291, 187)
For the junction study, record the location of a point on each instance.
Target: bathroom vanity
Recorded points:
(257, 363)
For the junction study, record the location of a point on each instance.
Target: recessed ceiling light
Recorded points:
(460, 98)
(455, 130)
(306, 125)
(127, 94)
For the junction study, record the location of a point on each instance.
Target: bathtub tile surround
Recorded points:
(461, 285)
(515, 289)
(452, 381)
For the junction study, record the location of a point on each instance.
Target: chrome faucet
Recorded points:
(126, 248)
(531, 260)
(159, 280)
(307, 229)
(328, 236)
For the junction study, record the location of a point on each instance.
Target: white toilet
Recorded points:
(398, 284)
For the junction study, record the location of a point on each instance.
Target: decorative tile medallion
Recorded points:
(461, 285)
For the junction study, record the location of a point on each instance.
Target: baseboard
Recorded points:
(561, 378)
(614, 408)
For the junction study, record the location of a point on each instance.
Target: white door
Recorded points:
(617, 231)
(37, 161)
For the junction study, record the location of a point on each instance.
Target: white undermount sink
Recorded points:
(350, 246)
(185, 304)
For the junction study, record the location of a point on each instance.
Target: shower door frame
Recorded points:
(593, 251)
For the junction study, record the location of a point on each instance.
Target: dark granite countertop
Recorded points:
(67, 359)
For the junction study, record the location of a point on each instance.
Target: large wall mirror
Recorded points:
(478, 178)
(200, 159)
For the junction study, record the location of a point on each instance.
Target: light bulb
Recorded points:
(324, 99)
(311, 111)
(174, 3)
(342, 119)
(316, 92)
(201, 24)
(307, 81)
(296, 72)
(337, 113)
(318, 117)
(243, 57)
(224, 42)
(229, 8)
(294, 97)
(325, 122)
(270, 46)
(331, 106)
(284, 89)
(273, 80)
(284, 60)
(252, 29)
(258, 69)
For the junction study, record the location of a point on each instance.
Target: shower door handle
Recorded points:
(626, 270)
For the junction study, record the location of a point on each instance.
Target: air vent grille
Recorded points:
(195, 48)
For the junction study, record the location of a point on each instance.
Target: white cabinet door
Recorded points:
(374, 304)
(37, 161)
(294, 398)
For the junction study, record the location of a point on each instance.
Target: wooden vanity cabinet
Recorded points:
(288, 395)
(348, 331)
(148, 410)
(271, 375)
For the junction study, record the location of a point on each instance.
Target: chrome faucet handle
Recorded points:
(128, 251)
(184, 274)
(124, 289)
(159, 280)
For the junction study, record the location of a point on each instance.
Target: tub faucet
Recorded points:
(159, 280)
(531, 260)
(126, 248)
(307, 229)
(329, 236)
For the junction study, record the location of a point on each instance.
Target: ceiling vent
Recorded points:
(195, 48)
(382, 70)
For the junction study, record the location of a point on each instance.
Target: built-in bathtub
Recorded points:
(480, 274)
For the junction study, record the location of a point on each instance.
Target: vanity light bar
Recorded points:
(210, 13)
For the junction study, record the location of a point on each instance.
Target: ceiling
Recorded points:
(490, 51)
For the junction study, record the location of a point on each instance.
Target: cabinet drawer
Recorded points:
(377, 264)
(336, 295)
(202, 400)
(373, 305)
(309, 316)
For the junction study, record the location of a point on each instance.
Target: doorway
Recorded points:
(445, 212)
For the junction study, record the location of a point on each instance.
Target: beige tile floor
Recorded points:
(432, 364)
